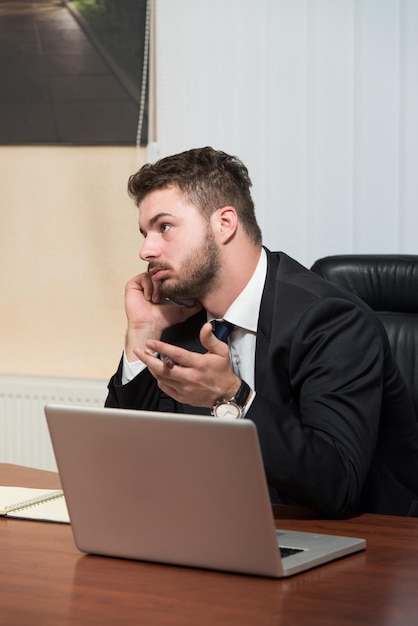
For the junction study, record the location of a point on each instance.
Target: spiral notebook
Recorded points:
(46, 505)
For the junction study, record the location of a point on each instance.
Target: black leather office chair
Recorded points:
(389, 285)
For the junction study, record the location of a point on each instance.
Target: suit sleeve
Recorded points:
(319, 432)
(141, 392)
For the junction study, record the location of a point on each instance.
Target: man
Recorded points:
(308, 362)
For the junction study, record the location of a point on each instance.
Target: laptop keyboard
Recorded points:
(284, 552)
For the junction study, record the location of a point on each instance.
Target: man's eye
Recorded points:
(165, 227)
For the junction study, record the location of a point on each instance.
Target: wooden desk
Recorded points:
(45, 580)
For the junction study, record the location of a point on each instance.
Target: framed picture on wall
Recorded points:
(74, 72)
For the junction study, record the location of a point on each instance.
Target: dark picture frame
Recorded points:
(74, 72)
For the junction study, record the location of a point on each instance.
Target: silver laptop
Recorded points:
(177, 489)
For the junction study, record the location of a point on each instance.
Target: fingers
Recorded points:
(175, 355)
(143, 282)
(168, 355)
(192, 377)
(211, 342)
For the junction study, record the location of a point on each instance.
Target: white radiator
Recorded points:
(24, 436)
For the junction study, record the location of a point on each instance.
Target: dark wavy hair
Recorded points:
(209, 179)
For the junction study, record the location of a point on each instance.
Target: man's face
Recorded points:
(179, 245)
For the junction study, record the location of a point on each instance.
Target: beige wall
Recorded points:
(68, 243)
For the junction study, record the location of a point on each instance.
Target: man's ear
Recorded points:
(225, 223)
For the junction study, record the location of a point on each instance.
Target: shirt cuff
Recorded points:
(130, 369)
(248, 403)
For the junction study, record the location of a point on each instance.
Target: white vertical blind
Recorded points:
(320, 100)
(376, 125)
(408, 128)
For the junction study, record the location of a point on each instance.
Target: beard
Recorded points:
(198, 274)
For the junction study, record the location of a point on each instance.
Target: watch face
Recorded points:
(227, 410)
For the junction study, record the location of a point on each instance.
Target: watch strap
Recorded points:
(242, 394)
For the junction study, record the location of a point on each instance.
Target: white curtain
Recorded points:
(320, 100)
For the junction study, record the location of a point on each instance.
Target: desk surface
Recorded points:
(45, 580)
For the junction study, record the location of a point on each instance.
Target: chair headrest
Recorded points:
(384, 282)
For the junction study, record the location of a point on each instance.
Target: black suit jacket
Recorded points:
(336, 425)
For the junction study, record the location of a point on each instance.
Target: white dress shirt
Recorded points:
(243, 313)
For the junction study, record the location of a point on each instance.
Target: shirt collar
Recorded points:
(244, 311)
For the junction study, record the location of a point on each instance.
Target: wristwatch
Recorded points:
(233, 408)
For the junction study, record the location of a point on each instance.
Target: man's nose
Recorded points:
(149, 249)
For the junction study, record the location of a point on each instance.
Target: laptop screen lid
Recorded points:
(170, 488)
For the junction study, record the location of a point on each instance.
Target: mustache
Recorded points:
(157, 266)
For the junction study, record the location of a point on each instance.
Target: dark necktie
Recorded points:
(221, 329)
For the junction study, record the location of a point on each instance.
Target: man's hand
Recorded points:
(190, 377)
(148, 314)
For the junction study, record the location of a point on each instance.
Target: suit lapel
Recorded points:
(265, 320)
(186, 334)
